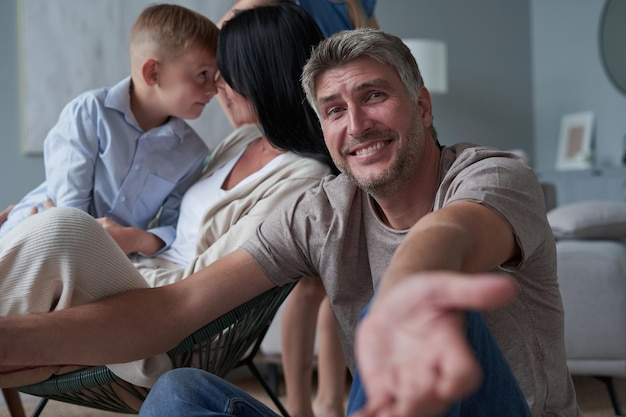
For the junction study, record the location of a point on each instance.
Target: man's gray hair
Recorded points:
(348, 45)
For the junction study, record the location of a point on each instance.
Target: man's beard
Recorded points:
(402, 169)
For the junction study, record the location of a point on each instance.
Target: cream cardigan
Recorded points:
(231, 221)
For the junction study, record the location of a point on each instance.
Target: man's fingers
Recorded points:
(482, 291)
(447, 290)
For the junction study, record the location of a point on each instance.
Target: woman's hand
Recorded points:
(131, 239)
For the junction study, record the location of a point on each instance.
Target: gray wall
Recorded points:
(568, 77)
(488, 41)
(514, 69)
(18, 173)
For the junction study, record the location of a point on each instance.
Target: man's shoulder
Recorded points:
(463, 155)
(339, 185)
(337, 193)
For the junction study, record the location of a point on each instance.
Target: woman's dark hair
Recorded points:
(261, 52)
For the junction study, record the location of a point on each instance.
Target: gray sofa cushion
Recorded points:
(589, 220)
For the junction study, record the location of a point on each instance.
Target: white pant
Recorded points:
(62, 258)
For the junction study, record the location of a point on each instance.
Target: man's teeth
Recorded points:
(369, 149)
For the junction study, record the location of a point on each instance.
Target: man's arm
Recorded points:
(412, 351)
(132, 325)
(463, 236)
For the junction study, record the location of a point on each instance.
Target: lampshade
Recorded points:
(432, 60)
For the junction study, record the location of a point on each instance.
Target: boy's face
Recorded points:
(187, 83)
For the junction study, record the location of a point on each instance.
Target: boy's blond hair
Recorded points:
(166, 30)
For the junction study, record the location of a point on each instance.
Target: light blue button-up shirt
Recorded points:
(99, 160)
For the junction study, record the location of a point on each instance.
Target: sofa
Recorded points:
(591, 266)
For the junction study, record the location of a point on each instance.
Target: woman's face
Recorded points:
(237, 108)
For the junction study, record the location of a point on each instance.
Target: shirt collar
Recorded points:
(118, 98)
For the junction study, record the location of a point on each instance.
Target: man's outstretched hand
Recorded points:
(412, 352)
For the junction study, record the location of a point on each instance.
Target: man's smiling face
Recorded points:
(373, 130)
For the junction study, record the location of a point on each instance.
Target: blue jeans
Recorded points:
(192, 392)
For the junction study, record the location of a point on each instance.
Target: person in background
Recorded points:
(276, 152)
(331, 16)
(428, 234)
(124, 154)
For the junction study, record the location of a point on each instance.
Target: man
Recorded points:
(416, 222)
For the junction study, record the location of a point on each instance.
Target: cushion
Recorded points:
(589, 220)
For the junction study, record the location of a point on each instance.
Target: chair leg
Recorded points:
(40, 407)
(249, 362)
(272, 377)
(617, 406)
(14, 402)
(272, 394)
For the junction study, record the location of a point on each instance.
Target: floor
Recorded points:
(592, 396)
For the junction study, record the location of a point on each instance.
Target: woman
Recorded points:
(249, 174)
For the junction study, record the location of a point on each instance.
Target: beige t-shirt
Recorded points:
(332, 231)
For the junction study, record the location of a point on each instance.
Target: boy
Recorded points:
(123, 153)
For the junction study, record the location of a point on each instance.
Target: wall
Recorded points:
(488, 52)
(568, 77)
(18, 173)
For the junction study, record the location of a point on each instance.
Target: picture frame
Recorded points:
(575, 149)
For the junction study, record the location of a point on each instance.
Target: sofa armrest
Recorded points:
(592, 279)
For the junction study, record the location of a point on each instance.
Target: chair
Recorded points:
(230, 341)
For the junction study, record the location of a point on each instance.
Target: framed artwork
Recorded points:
(575, 142)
